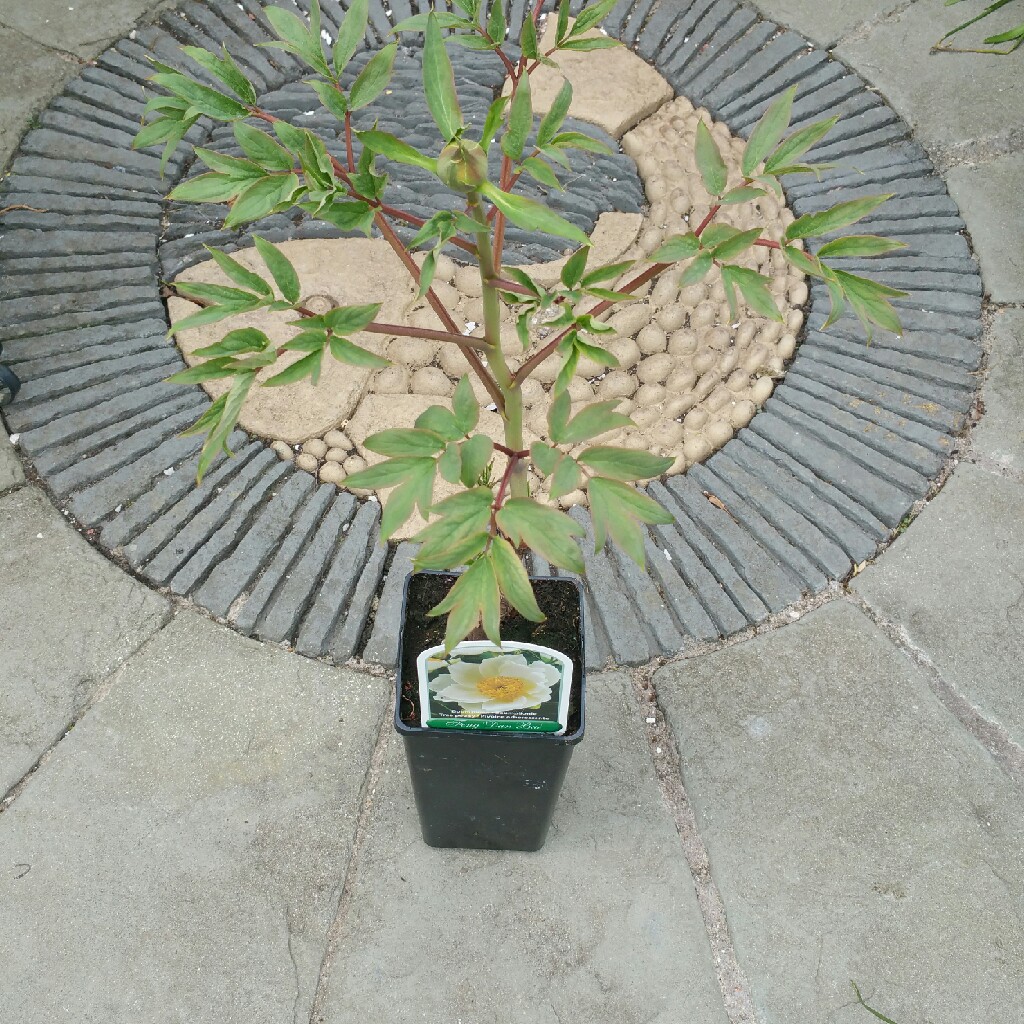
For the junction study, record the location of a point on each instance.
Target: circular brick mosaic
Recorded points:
(811, 485)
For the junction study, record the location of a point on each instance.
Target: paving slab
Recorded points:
(180, 856)
(989, 199)
(601, 925)
(31, 74)
(11, 473)
(82, 27)
(1000, 434)
(949, 99)
(854, 830)
(955, 582)
(68, 618)
(825, 23)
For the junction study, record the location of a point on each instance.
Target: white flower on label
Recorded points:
(503, 683)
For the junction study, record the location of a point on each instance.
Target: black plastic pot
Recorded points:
(488, 790)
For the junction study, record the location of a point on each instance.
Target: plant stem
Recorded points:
(401, 331)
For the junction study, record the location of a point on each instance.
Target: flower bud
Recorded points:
(462, 166)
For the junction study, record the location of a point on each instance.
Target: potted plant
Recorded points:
(488, 765)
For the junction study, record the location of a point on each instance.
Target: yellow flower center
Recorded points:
(502, 687)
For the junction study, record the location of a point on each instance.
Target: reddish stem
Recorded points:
(348, 142)
(708, 219)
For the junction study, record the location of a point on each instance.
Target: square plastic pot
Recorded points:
(489, 790)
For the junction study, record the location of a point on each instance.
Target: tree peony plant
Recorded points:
(488, 523)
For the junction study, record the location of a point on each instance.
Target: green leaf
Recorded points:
(237, 273)
(388, 473)
(606, 273)
(307, 341)
(461, 533)
(528, 39)
(213, 369)
(558, 416)
(418, 489)
(296, 37)
(543, 529)
(449, 464)
(207, 101)
(495, 113)
(593, 43)
(465, 405)
(373, 79)
(799, 143)
(678, 247)
(551, 122)
(348, 319)
(733, 246)
(572, 272)
(439, 420)
(395, 149)
(541, 171)
(802, 261)
(474, 598)
(591, 420)
(156, 131)
(351, 33)
(209, 419)
(591, 17)
(697, 270)
(401, 442)
(579, 140)
(568, 370)
(741, 194)
(418, 22)
(213, 293)
(566, 478)
(439, 82)
(497, 26)
(233, 166)
(520, 120)
(245, 339)
(280, 268)
(754, 289)
(709, 161)
(512, 579)
(624, 463)
(211, 314)
(330, 96)
(768, 132)
(476, 455)
(346, 351)
(839, 216)
(563, 20)
(860, 245)
(307, 366)
(532, 216)
(217, 440)
(207, 188)
(262, 197)
(617, 509)
(225, 69)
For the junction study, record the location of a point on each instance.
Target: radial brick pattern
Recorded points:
(818, 480)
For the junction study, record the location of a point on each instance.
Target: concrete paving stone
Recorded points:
(826, 24)
(776, 585)
(278, 483)
(347, 636)
(651, 607)
(785, 61)
(95, 22)
(245, 612)
(72, 105)
(87, 173)
(1000, 434)
(853, 829)
(725, 61)
(382, 646)
(117, 219)
(665, 28)
(339, 583)
(90, 398)
(693, 618)
(788, 555)
(63, 458)
(11, 473)
(717, 23)
(837, 97)
(29, 267)
(38, 284)
(827, 494)
(58, 188)
(600, 925)
(989, 198)
(197, 824)
(883, 499)
(68, 618)
(858, 118)
(948, 98)
(955, 583)
(625, 632)
(73, 243)
(793, 524)
(625, 19)
(32, 74)
(85, 127)
(45, 142)
(903, 170)
(793, 485)
(801, 417)
(717, 42)
(890, 434)
(230, 577)
(126, 484)
(725, 578)
(296, 592)
(851, 148)
(46, 309)
(143, 306)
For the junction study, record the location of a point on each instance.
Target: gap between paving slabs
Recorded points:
(846, 445)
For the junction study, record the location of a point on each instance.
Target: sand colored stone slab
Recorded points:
(1000, 434)
(601, 925)
(612, 88)
(333, 272)
(955, 583)
(68, 618)
(180, 856)
(854, 829)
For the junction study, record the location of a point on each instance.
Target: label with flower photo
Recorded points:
(515, 687)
